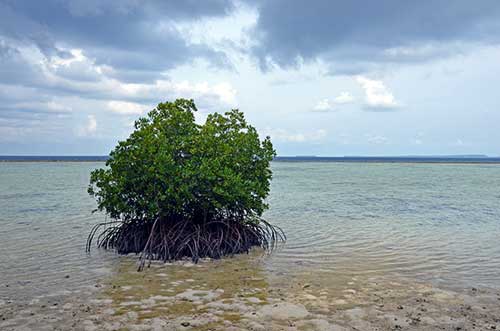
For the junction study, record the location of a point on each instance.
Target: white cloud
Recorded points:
(323, 105)
(41, 94)
(126, 108)
(77, 56)
(203, 93)
(377, 95)
(82, 76)
(225, 92)
(326, 105)
(222, 91)
(343, 98)
(283, 135)
(90, 128)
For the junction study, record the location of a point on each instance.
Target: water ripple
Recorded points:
(428, 222)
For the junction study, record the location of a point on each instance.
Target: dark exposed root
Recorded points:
(168, 240)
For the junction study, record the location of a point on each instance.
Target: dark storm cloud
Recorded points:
(131, 41)
(127, 35)
(354, 35)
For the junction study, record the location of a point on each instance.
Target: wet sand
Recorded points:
(239, 294)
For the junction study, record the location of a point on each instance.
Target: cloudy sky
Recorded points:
(322, 77)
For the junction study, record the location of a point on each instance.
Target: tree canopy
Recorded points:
(172, 171)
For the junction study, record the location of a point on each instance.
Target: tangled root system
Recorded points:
(168, 240)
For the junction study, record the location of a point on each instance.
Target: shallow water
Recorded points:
(45, 217)
(438, 223)
(429, 222)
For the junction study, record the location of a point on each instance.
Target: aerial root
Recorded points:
(173, 240)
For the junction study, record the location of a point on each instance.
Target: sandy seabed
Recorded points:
(236, 294)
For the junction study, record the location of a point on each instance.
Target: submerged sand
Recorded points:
(238, 294)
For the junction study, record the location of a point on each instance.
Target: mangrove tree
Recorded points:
(175, 189)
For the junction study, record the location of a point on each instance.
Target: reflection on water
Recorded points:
(425, 222)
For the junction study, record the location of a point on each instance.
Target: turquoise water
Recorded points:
(45, 216)
(438, 223)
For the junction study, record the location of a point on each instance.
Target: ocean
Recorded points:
(437, 223)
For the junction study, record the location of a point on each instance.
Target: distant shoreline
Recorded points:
(55, 158)
(345, 159)
(395, 159)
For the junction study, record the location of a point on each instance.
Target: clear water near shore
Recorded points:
(438, 223)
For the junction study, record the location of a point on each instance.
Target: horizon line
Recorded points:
(280, 156)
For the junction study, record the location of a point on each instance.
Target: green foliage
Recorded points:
(172, 169)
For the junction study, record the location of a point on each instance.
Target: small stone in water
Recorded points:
(185, 324)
